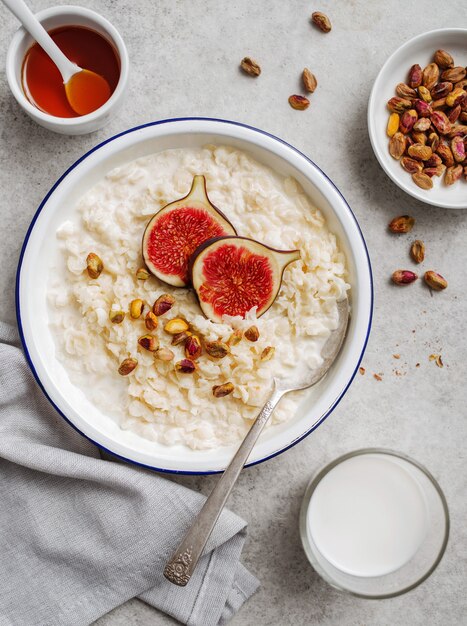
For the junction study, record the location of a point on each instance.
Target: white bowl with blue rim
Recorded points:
(40, 249)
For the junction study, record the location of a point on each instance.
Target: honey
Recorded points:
(42, 82)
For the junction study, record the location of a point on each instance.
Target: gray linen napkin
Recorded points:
(80, 535)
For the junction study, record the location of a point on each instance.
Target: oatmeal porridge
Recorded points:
(157, 401)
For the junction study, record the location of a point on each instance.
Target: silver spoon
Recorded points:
(183, 562)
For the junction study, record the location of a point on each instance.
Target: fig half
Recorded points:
(174, 233)
(233, 274)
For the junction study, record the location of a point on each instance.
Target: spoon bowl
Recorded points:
(305, 378)
(87, 91)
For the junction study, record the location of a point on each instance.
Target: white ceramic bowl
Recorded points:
(53, 18)
(419, 50)
(40, 250)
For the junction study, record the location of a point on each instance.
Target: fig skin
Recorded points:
(196, 199)
(268, 252)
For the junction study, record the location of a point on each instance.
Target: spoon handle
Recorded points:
(38, 32)
(183, 562)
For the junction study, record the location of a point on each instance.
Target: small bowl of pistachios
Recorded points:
(417, 117)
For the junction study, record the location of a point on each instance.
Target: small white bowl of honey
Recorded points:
(87, 39)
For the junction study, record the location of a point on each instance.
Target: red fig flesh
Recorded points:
(174, 233)
(233, 274)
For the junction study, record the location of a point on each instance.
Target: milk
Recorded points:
(368, 515)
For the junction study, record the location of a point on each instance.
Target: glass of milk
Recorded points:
(374, 523)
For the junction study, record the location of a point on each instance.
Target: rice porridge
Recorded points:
(156, 401)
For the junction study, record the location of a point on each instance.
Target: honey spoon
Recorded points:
(183, 562)
(85, 90)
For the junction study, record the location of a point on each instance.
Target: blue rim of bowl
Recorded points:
(25, 243)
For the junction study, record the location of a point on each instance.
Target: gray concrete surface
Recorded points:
(185, 57)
